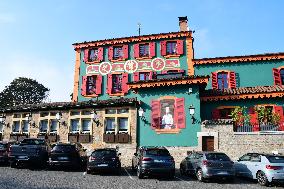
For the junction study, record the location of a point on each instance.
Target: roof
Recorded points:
(244, 58)
(192, 79)
(242, 93)
(73, 105)
(122, 40)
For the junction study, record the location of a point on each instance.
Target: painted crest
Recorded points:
(105, 68)
(92, 69)
(130, 66)
(158, 64)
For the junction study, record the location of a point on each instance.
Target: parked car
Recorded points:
(265, 168)
(30, 150)
(68, 156)
(206, 165)
(5, 148)
(106, 159)
(153, 161)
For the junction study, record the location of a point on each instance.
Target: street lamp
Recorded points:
(191, 113)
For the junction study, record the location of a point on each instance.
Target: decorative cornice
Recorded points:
(246, 58)
(186, 80)
(132, 39)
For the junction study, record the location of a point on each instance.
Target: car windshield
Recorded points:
(64, 148)
(275, 159)
(157, 152)
(104, 153)
(217, 157)
(33, 142)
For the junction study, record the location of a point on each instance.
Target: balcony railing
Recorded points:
(265, 127)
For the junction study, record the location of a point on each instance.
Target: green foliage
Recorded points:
(23, 91)
(240, 116)
(266, 115)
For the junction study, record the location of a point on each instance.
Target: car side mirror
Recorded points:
(135, 154)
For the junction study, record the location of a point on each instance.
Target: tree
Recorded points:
(23, 91)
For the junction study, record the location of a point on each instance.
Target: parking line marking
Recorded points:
(128, 174)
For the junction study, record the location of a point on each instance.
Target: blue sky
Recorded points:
(36, 36)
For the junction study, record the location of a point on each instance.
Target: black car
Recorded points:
(153, 161)
(5, 149)
(106, 159)
(67, 156)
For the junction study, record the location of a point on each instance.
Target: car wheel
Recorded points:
(199, 175)
(13, 164)
(262, 179)
(139, 173)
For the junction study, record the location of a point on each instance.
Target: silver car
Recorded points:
(265, 168)
(207, 165)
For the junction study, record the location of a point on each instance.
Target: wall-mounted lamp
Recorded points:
(191, 113)
(3, 120)
(141, 114)
(58, 117)
(189, 90)
(95, 118)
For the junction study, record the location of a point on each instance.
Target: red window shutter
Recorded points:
(136, 50)
(136, 76)
(124, 83)
(179, 116)
(163, 48)
(156, 114)
(232, 80)
(84, 86)
(253, 116)
(125, 51)
(86, 55)
(152, 75)
(152, 49)
(110, 53)
(216, 114)
(109, 83)
(101, 54)
(179, 46)
(279, 110)
(99, 85)
(277, 76)
(214, 80)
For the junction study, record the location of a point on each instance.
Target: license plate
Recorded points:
(23, 157)
(102, 165)
(159, 161)
(62, 158)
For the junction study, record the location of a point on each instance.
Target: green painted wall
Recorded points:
(187, 136)
(247, 73)
(182, 59)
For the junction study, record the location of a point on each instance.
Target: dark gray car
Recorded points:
(153, 161)
(207, 165)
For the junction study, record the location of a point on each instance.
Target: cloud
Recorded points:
(51, 74)
(7, 18)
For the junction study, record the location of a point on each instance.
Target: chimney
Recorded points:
(183, 26)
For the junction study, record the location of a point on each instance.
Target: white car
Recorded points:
(266, 168)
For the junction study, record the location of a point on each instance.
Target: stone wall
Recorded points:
(236, 144)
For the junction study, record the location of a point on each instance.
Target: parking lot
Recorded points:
(26, 178)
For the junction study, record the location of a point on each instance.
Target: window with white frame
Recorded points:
(16, 127)
(110, 125)
(86, 125)
(43, 126)
(117, 120)
(48, 122)
(81, 121)
(74, 125)
(122, 125)
(53, 126)
(25, 127)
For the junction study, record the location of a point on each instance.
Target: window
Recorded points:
(122, 124)
(43, 126)
(116, 83)
(222, 80)
(17, 116)
(110, 125)
(25, 128)
(117, 52)
(171, 47)
(91, 84)
(44, 114)
(122, 111)
(16, 126)
(168, 114)
(75, 113)
(144, 76)
(93, 54)
(282, 76)
(144, 50)
(86, 125)
(110, 111)
(225, 113)
(53, 126)
(75, 125)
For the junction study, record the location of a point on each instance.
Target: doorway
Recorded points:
(207, 143)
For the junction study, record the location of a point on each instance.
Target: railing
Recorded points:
(258, 127)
